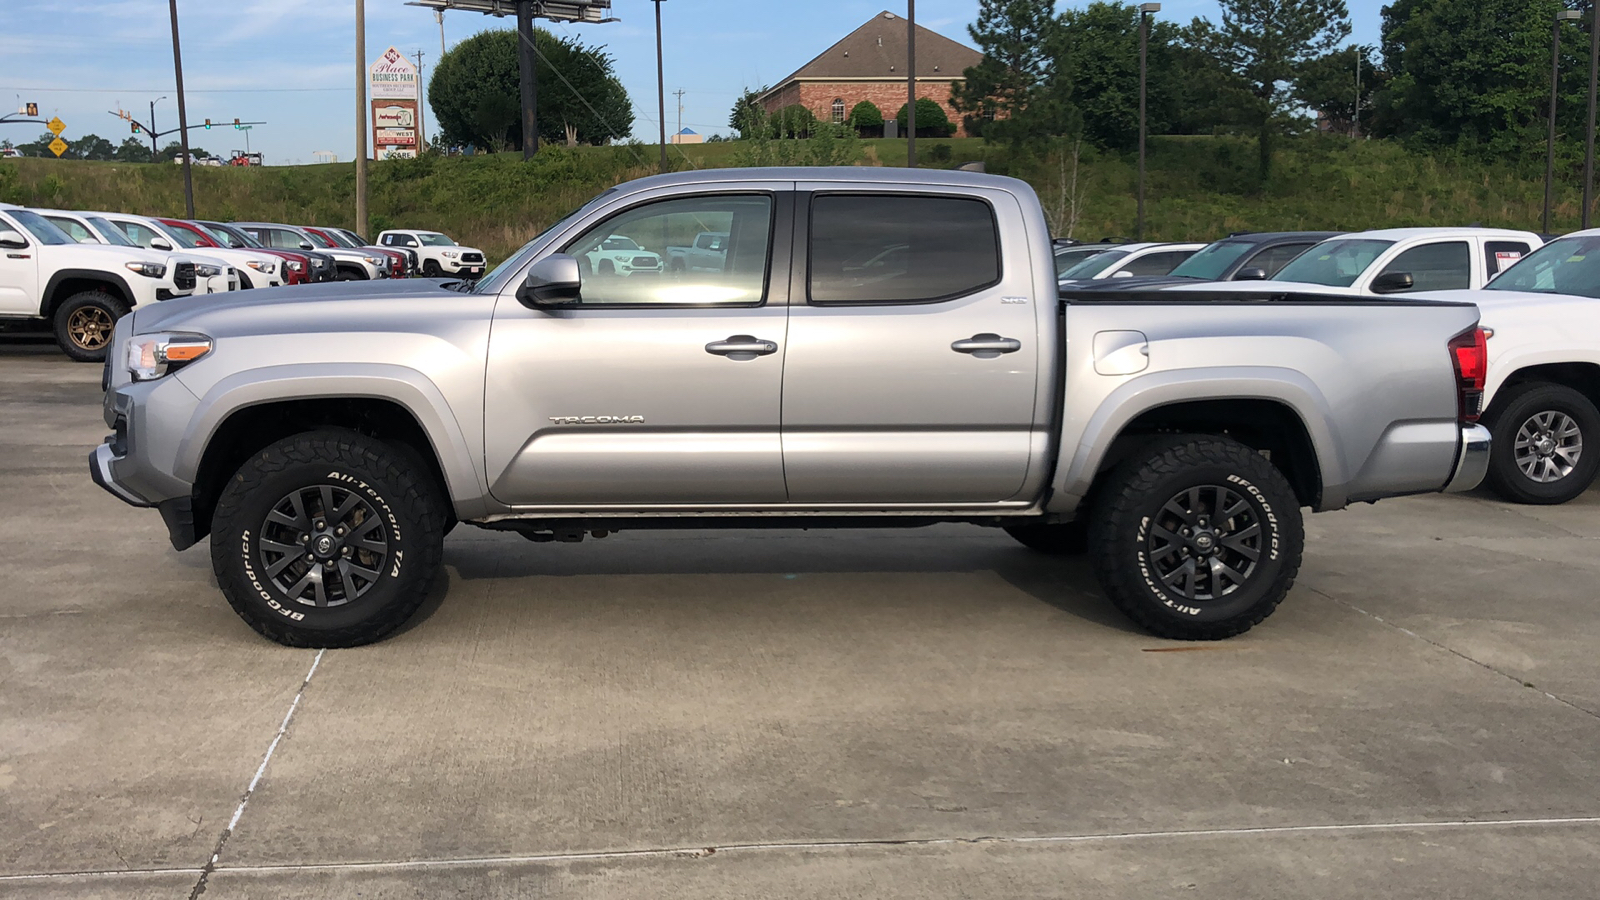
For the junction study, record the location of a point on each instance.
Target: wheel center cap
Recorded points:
(323, 545)
(1205, 541)
(1544, 445)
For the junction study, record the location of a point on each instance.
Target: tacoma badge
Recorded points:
(598, 420)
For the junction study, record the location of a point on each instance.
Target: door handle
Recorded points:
(741, 347)
(987, 346)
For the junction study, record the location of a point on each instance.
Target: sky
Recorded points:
(291, 63)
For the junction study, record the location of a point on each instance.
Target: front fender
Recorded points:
(407, 387)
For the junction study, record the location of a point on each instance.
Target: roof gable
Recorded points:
(878, 50)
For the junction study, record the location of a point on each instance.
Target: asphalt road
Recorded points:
(931, 713)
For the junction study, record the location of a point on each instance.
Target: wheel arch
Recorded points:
(65, 283)
(1583, 377)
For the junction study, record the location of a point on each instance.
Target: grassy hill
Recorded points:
(1197, 188)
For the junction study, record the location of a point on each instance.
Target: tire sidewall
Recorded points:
(1508, 479)
(63, 315)
(237, 553)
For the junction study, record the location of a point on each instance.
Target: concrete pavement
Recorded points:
(936, 712)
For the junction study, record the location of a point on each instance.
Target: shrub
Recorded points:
(931, 119)
(866, 115)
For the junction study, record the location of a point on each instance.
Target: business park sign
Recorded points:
(394, 90)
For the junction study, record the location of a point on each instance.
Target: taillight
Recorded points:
(1469, 352)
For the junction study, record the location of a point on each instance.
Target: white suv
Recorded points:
(79, 290)
(437, 254)
(1129, 261)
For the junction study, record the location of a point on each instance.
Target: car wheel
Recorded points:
(605, 267)
(1197, 538)
(1064, 539)
(1544, 446)
(430, 269)
(327, 539)
(85, 322)
(347, 275)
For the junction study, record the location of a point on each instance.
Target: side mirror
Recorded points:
(1392, 283)
(160, 244)
(12, 240)
(306, 245)
(1251, 273)
(552, 281)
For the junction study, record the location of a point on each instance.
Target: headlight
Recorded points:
(151, 356)
(449, 254)
(295, 265)
(204, 271)
(148, 269)
(374, 260)
(265, 268)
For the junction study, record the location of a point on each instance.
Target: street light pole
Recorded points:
(153, 151)
(183, 113)
(1564, 15)
(911, 84)
(661, 90)
(1145, 11)
(361, 116)
(1588, 147)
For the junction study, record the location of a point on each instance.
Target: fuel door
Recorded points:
(1121, 352)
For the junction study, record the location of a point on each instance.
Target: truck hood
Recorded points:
(288, 309)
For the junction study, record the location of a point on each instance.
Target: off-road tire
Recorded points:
(430, 269)
(386, 480)
(1519, 405)
(1064, 539)
(605, 267)
(1126, 524)
(97, 305)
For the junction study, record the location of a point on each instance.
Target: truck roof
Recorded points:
(851, 174)
(1402, 234)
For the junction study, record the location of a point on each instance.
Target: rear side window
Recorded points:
(901, 249)
(1445, 266)
(1502, 255)
(1272, 259)
(1157, 263)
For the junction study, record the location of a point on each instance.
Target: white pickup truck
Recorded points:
(79, 290)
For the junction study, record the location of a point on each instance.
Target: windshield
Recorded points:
(1095, 264)
(1333, 263)
(1071, 256)
(1567, 266)
(1212, 260)
(229, 237)
(109, 232)
(351, 235)
(40, 227)
(434, 239)
(495, 280)
(318, 240)
(338, 239)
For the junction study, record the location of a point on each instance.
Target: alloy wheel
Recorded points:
(323, 545)
(1205, 543)
(90, 328)
(1548, 446)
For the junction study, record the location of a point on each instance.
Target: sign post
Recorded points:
(57, 146)
(392, 84)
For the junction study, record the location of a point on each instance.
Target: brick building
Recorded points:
(870, 64)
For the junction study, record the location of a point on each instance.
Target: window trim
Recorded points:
(810, 217)
(775, 222)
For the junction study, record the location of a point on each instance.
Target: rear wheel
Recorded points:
(1197, 538)
(84, 324)
(1544, 447)
(327, 539)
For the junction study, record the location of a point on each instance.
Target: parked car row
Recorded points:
(62, 270)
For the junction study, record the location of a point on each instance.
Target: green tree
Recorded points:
(37, 147)
(793, 120)
(932, 121)
(748, 116)
(91, 146)
(133, 150)
(1013, 95)
(864, 116)
(476, 91)
(1262, 44)
(1097, 51)
(1327, 85)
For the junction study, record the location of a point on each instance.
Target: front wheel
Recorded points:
(84, 324)
(327, 539)
(1198, 538)
(1538, 452)
(430, 269)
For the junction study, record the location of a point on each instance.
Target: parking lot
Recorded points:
(790, 714)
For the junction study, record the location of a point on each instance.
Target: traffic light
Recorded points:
(235, 124)
(136, 128)
(33, 109)
(208, 124)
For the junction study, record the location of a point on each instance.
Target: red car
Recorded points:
(297, 267)
(336, 237)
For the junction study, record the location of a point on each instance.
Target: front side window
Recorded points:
(73, 229)
(1094, 265)
(283, 240)
(1157, 263)
(901, 249)
(185, 238)
(1334, 263)
(1445, 266)
(38, 226)
(1273, 259)
(1212, 260)
(139, 234)
(624, 260)
(1567, 266)
(1071, 256)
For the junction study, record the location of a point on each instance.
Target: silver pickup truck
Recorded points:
(880, 348)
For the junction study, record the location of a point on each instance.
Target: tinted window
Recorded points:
(1094, 265)
(1068, 257)
(74, 230)
(637, 274)
(1157, 263)
(39, 227)
(1272, 259)
(281, 239)
(1567, 266)
(1502, 255)
(899, 249)
(1334, 263)
(1212, 260)
(1445, 266)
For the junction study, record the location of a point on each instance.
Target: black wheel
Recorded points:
(327, 539)
(347, 275)
(1197, 538)
(84, 324)
(605, 267)
(1066, 539)
(430, 269)
(1538, 454)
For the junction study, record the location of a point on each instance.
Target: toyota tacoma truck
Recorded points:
(437, 255)
(327, 439)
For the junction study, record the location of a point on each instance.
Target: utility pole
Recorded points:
(1146, 10)
(911, 84)
(153, 151)
(1355, 119)
(422, 138)
(530, 79)
(183, 113)
(661, 90)
(679, 94)
(1588, 148)
(1564, 15)
(361, 116)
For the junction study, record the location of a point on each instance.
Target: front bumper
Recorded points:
(100, 460)
(1472, 459)
(458, 267)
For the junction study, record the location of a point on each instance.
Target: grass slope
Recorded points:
(1197, 188)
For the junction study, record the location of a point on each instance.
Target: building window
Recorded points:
(838, 111)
